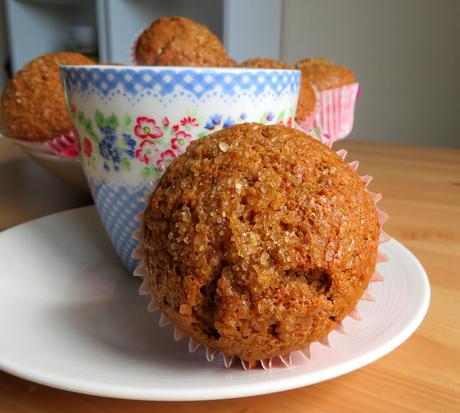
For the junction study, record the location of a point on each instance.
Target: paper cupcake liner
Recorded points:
(335, 114)
(65, 145)
(286, 360)
(309, 123)
(315, 132)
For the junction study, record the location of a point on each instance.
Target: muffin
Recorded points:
(258, 241)
(265, 63)
(178, 41)
(111, 64)
(306, 103)
(33, 106)
(324, 74)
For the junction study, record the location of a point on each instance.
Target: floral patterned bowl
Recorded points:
(133, 121)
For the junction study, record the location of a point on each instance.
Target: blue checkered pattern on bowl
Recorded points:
(196, 82)
(118, 208)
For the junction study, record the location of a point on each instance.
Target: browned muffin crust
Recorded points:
(307, 98)
(324, 74)
(33, 105)
(259, 240)
(111, 64)
(178, 41)
(230, 63)
(265, 63)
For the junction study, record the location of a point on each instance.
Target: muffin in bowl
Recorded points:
(324, 74)
(337, 92)
(33, 105)
(178, 41)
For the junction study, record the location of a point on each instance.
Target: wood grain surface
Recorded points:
(421, 188)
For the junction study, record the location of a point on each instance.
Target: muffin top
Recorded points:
(265, 63)
(259, 240)
(324, 74)
(178, 41)
(33, 104)
(307, 98)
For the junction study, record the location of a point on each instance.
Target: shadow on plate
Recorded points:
(112, 314)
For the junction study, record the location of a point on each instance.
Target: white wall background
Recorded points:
(405, 53)
(252, 28)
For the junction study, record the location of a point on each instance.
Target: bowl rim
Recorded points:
(35, 148)
(176, 68)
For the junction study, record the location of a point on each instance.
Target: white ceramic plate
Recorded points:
(70, 317)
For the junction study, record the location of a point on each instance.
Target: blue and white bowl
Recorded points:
(133, 121)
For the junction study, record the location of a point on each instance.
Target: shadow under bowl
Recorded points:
(68, 170)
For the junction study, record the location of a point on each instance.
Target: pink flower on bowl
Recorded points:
(165, 159)
(87, 147)
(147, 152)
(146, 128)
(287, 122)
(180, 142)
(188, 120)
(165, 122)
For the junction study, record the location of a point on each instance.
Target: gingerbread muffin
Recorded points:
(178, 41)
(306, 103)
(265, 63)
(324, 74)
(259, 240)
(33, 106)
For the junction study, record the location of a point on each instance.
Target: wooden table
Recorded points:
(422, 196)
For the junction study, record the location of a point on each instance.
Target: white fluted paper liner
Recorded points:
(282, 360)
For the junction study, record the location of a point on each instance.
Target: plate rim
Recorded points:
(238, 390)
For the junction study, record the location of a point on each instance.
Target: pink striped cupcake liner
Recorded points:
(336, 110)
(286, 360)
(315, 132)
(310, 127)
(65, 145)
(308, 124)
